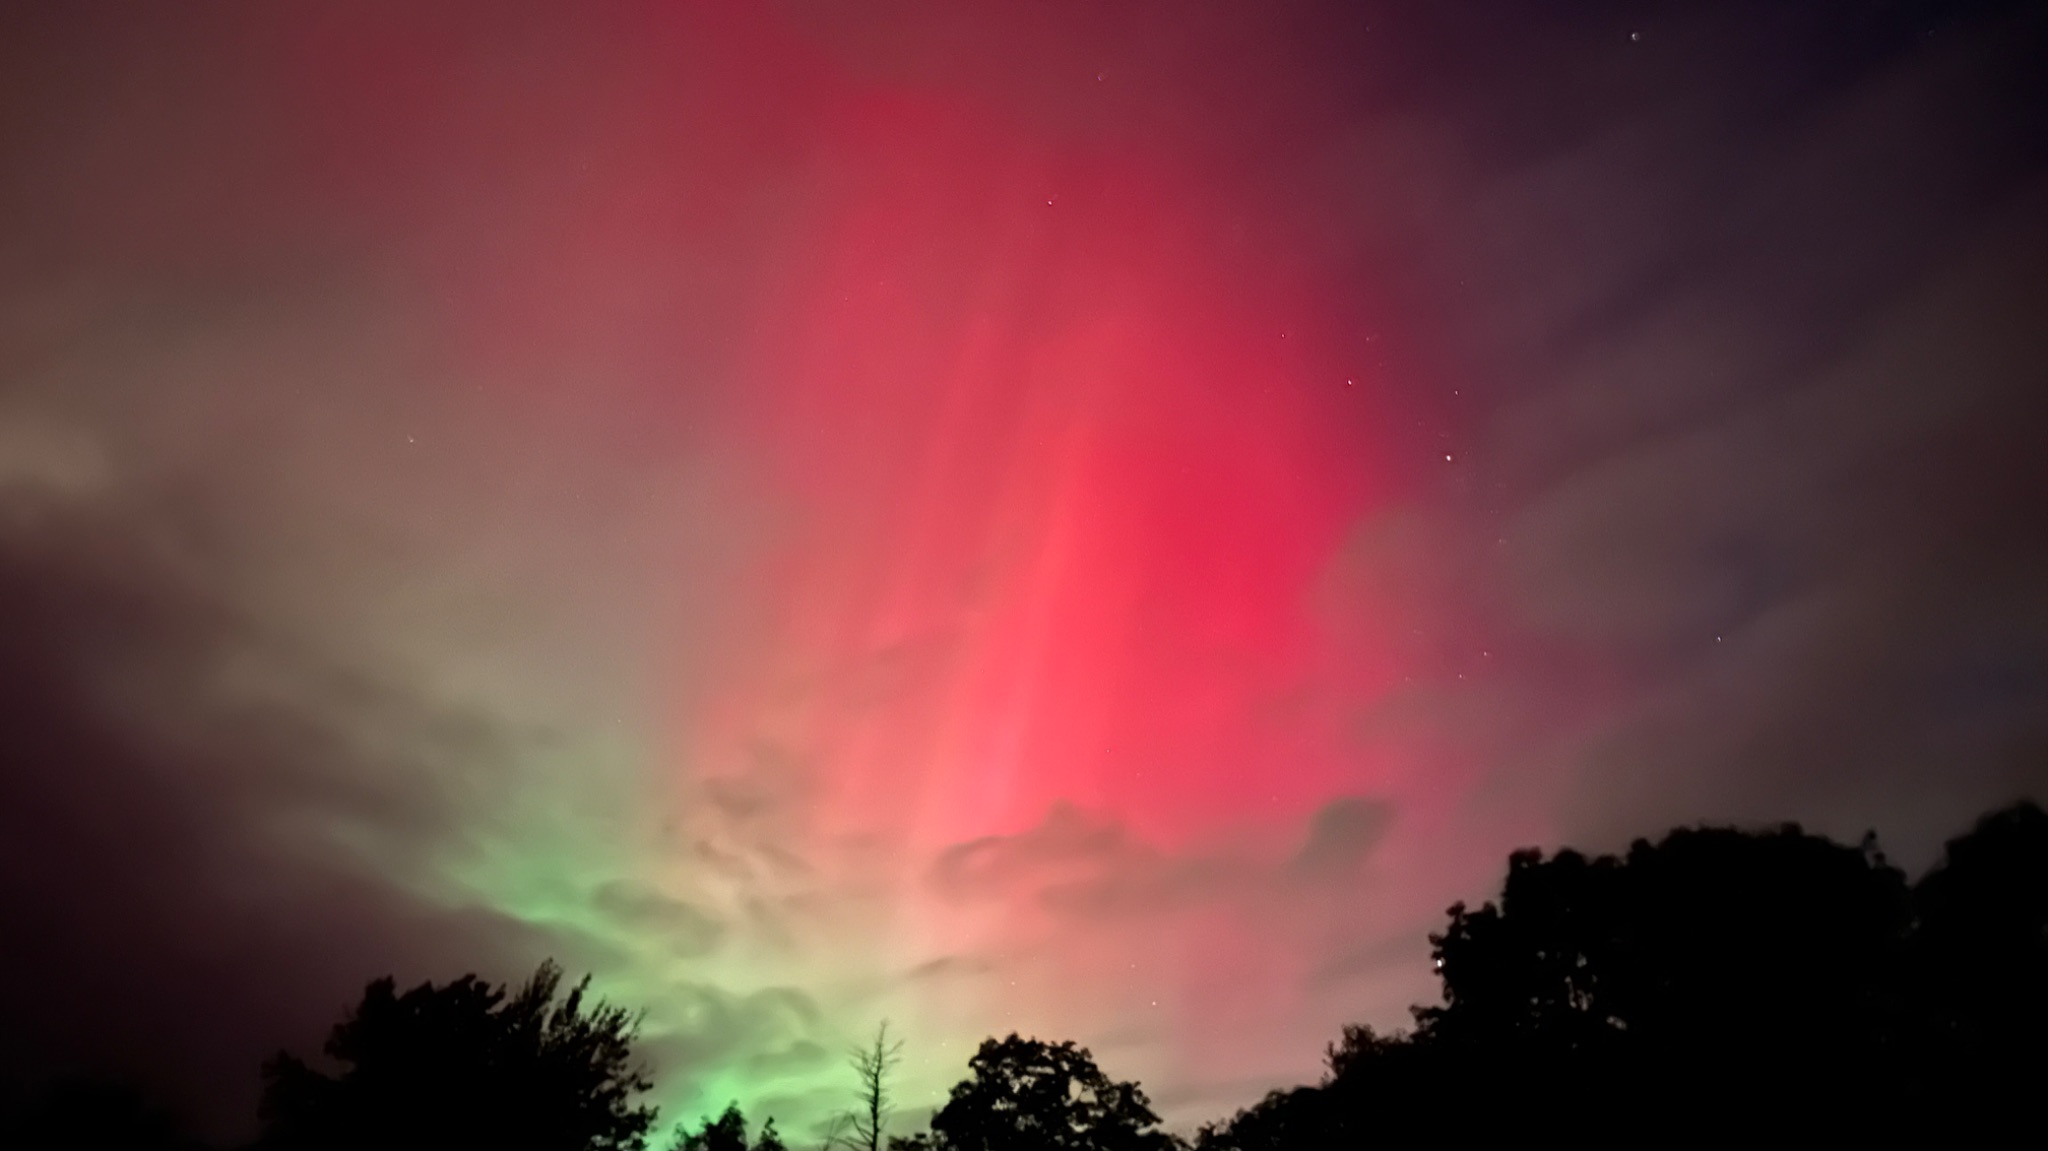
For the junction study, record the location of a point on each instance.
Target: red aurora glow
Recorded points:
(1062, 479)
(1060, 489)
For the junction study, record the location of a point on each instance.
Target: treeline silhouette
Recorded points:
(466, 1065)
(1715, 984)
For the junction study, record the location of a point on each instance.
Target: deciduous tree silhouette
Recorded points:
(466, 1065)
(728, 1132)
(1748, 967)
(1028, 1095)
(1715, 982)
(1978, 964)
(1379, 1087)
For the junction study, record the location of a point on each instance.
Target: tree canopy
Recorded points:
(728, 1132)
(466, 1064)
(1713, 981)
(1030, 1095)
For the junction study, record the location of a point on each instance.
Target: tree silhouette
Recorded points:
(1716, 982)
(1726, 975)
(1779, 930)
(1379, 1088)
(466, 1064)
(728, 1132)
(1028, 1095)
(1978, 965)
(863, 1126)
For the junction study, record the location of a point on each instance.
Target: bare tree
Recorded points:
(863, 1127)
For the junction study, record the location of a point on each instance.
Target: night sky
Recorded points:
(1095, 519)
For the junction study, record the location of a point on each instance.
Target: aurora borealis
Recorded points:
(1099, 520)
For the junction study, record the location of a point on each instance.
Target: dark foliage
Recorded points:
(1713, 984)
(728, 1132)
(1977, 978)
(1028, 1095)
(466, 1065)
